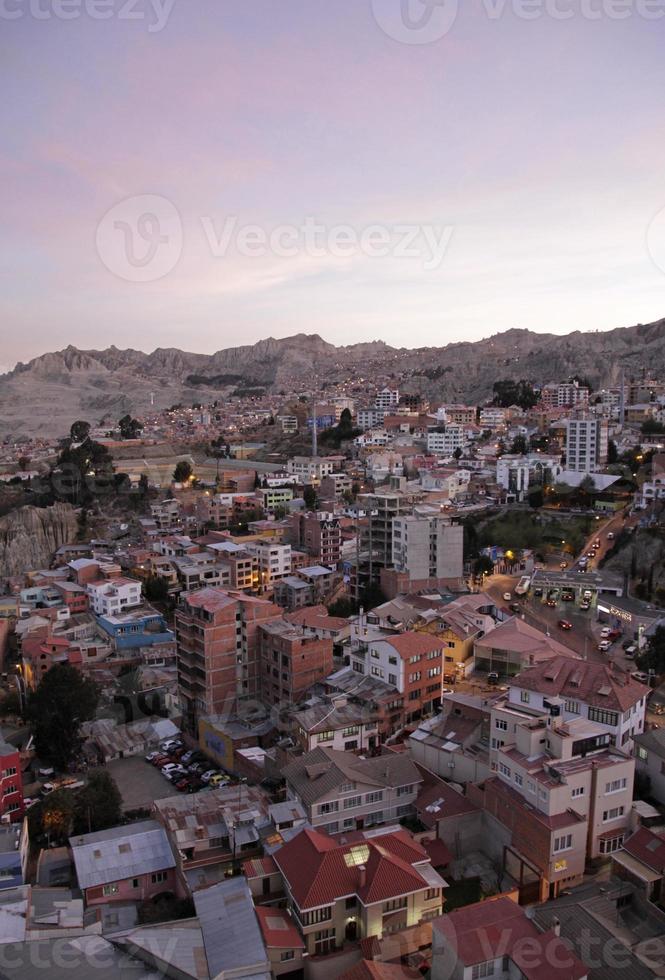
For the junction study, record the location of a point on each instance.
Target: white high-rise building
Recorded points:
(586, 443)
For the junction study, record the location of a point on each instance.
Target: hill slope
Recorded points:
(48, 393)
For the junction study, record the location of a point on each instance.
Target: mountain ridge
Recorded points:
(59, 386)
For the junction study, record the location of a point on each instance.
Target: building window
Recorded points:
(431, 893)
(524, 697)
(616, 785)
(501, 724)
(519, 781)
(394, 904)
(135, 882)
(613, 814)
(352, 801)
(325, 737)
(287, 955)
(563, 843)
(352, 730)
(110, 889)
(347, 787)
(482, 970)
(504, 770)
(572, 707)
(611, 845)
(603, 717)
(316, 915)
(159, 877)
(577, 791)
(331, 807)
(324, 941)
(375, 797)
(405, 790)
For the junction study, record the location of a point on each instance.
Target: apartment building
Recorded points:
(167, 515)
(413, 663)
(492, 417)
(444, 440)
(309, 469)
(512, 473)
(274, 500)
(320, 535)
(273, 561)
(460, 414)
(382, 507)
(11, 783)
(368, 418)
(387, 399)
(290, 662)
(345, 892)
(586, 442)
(342, 792)
(108, 597)
(427, 548)
(218, 650)
(597, 692)
(561, 795)
(338, 723)
(568, 394)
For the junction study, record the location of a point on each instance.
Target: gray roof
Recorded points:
(653, 740)
(231, 933)
(321, 771)
(78, 958)
(121, 852)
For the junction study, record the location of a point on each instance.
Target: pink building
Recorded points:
(132, 863)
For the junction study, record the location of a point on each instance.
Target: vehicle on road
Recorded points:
(563, 564)
(507, 596)
(610, 535)
(605, 632)
(151, 756)
(568, 596)
(515, 607)
(604, 645)
(207, 776)
(640, 676)
(551, 603)
(522, 586)
(630, 652)
(565, 625)
(538, 592)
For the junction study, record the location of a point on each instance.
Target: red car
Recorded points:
(565, 625)
(160, 760)
(551, 603)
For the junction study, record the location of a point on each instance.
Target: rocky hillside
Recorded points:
(30, 535)
(50, 391)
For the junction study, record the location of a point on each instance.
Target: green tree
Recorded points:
(458, 453)
(63, 700)
(653, 657)
(509, 392)
(183, 471)
(652, 427)
(79, 431)
(98, 805)
(56, 814)
(309, 496)
(519, 446)
(156, 589)
(83, 472)
(612, 452)
(342, 607)
(129, 428)
(483, 565)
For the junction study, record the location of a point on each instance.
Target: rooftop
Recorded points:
(121, 852)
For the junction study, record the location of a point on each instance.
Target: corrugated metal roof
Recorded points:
(121, 852)
(230, 929)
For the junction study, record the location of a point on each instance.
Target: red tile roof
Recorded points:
(648, 848)
(319, 869)
(499, 927)
(414, 644)
(277, 928)
(596, 684)
(376, 970)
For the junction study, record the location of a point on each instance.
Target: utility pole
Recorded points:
(314, 433)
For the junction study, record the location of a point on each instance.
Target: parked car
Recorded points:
(197, 768)
(168, 765)
(169, 744)
(640, 676)
(151, 756)
(605, 632)
(630, 652)
(585, 604)
(604, 645)
(218, 779)
(207, 776)
(160, 760)
(565, 625)
(187, 756)
(568, 597)
(515, 607)
(614, 634)
(174, 775)
(492, 677)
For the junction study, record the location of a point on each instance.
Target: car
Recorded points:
(507, 596)
(640, 676)
(171, 767)
(568, 597)
(585, 604)
(197, 768)
(630, 652)
(565, 625)
(29, 801)
(604, 645)
(538, 592)
(596, 543)
(590, 554)
(610, 535)
(151, 756)
(515, 607)
(218, 779)
(207, 776)
(195, 785)
(161, 760)
(182, 785)
(551, 603)
(605, 632)
(563, 564)
(492, 677)
(169, 744)
(614, 634)
(175, 775)
(187, 756)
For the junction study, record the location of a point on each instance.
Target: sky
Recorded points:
(206, 173)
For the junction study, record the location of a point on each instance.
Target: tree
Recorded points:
(79, 431)
(483, 565)
(509, 392)
(309, 496)
(183, 471)
(652, 427)
(612, 452)
(83, 472)
(519, 446)
(23, 463)
(342, 607)
(257, 480)
(144, 486)
(458, 453)
(57, 814)
(587, 485)
(129, 428)
(98, 805)
(156, 589)
(653, 657)
(63, 700)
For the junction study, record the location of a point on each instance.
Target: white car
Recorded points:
(605, 632)
(207, 776)
(171, 767)
(152, 755)
(604, 645)
(507, 596)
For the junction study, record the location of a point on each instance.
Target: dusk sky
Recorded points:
(528, 152)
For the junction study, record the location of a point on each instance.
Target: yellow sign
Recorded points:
(560, 865)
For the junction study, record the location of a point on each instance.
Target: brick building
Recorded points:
(11, 782)
(218, 649)
(290, 661)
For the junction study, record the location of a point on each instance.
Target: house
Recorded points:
(315, 621)
(641, 860)
(600, 692)
(353, 726)
(290, 661)
(11, 783)
(513, 645)
(455, 743)
(340, 891)
(14, 846)
(495, 938)
(109, 597)
(649, 752)
(284, 944)
(131, 863)
(342, 792)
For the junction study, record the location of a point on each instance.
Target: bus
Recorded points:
(522, 586)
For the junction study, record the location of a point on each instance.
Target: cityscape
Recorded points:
(332, 490)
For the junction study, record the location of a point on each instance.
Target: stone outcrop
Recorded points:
(30, 535)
